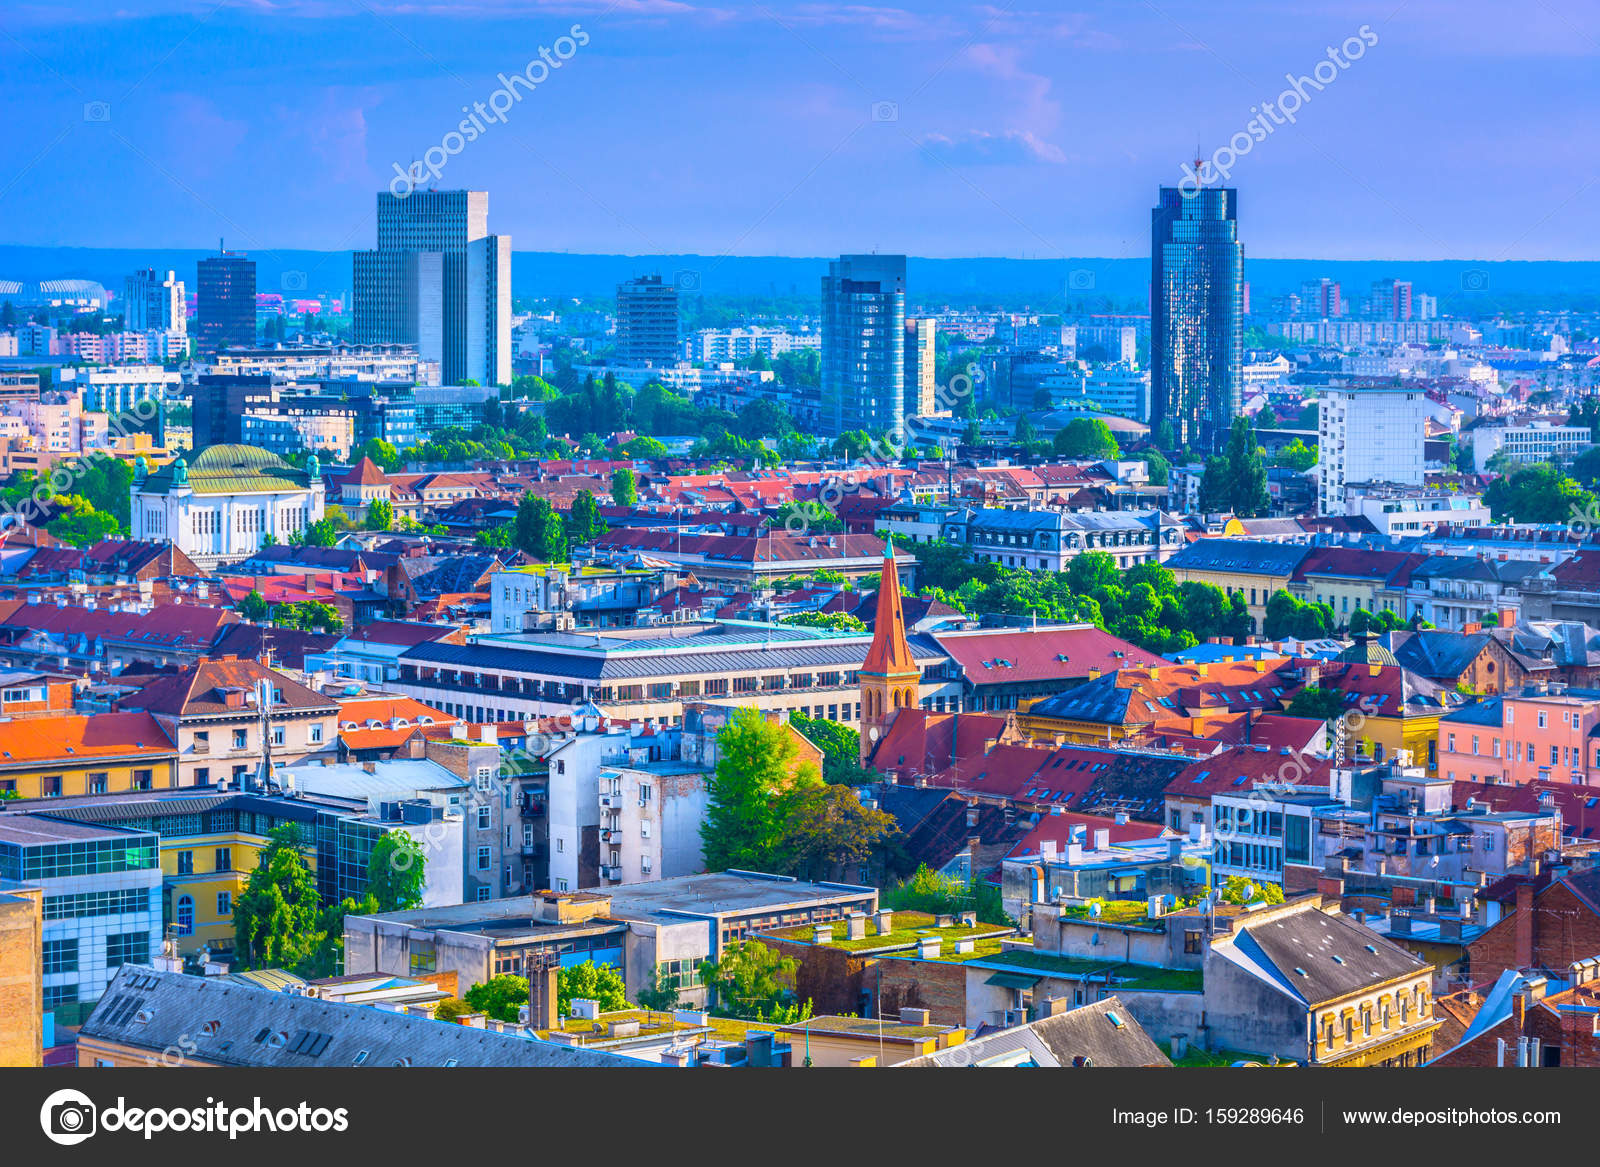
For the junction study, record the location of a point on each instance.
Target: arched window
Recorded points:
(185, 915)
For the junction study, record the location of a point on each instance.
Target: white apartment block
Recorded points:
(118, 388)
(1395, 511)
(1368, 435)
(1538, 442)
(712, 345)
(650, 819)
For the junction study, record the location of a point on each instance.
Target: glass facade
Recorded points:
(91, 857)
(863, 345)
(1196, 315)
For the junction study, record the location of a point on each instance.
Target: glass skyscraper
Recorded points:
(1196, 315)
(864, 345)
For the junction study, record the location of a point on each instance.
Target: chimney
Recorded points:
(542, 999)
(1400, 921)
(822, 934)
(1051, 1007)
(1524, 925)
(857, 924)
(883, 921)
(928, 948)
(1102, 839)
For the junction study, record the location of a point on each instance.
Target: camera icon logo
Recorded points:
(68, 1117)
(294, 281)
(885, 111)
(686, 281)
(1475, 280)
(1080, 280)
(96, 111)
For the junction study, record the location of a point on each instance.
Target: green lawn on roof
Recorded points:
(906, 929)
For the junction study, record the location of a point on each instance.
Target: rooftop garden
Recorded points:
(654, 1024)
(1123, 976)
(1110, 911)
(906, 929)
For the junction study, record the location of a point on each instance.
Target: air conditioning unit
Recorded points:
(1013, 1018)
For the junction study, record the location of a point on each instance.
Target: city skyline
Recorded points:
(980, 132)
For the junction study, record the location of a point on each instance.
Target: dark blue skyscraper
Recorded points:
(863, 345)
(1196, 315)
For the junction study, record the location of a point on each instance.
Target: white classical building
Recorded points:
(221, 507)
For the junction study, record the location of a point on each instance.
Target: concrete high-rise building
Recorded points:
(647, 322)
(921, 367)
(1320, 299)
(1196, 314)
(863, 345)
(1368, 435)
(154, 302)
(225, 302)
(440, 281)
(1390, 300)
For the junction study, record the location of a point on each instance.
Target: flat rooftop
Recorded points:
(724, 893)
(28, 830)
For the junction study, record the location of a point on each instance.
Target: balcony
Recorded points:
(611, 801)
(611, 873)
(610, 835)
(531, 810)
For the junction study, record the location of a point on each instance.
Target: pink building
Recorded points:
(1544, 733)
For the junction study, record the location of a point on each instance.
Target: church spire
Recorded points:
(890, 678)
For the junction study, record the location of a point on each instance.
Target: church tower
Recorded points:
(889, 676)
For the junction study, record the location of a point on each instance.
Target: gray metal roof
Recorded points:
(1104, 1034)
(239, 1025)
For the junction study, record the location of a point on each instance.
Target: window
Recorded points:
(316, 733)
(483, 859)
(278, 736)
(60, 956)
(185, 915)
(483, 818)
(99, 783)
(185, 862)
(144, 779)
(50, 787)
(1544, 719)
(224, 903)
(224, 859)
(423, 959)
(127, 948)
(241, 739)
(1191, 940)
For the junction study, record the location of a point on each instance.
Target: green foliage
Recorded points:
(80, 524)
(642, 446)
(253, 606)
(380, 515)
(624, 489)
(832, 621)
(1375, 623)
(1321, 704)
(753, 982)
(840, 746)
(539, 531)
(1235, 482)
(396, 872)
(827, 827)
(591, 982)
(584, 524)
(104, 483)
(1296, 456)
(277, 919)
(1539, 493)
(322, 533)
(940, 895)
(1288, 617)
(382, 453)
(817, 519)
(501, 538)
(451, 1008)
(502, 997)
(1240, 890)
(757, 774)
(308, 616)
(663, 993)
(1086, 437)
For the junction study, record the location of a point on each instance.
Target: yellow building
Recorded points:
(63, 756)
(1251, 568)
(21, 977)
(867, 1041)
(1386, 707)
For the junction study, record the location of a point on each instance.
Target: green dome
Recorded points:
(236, 459)
(229, 469)
(1368, 651)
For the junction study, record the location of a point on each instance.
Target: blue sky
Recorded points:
(939, 129)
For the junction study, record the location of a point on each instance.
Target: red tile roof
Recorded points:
(1022, 654)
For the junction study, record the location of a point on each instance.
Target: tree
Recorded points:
(539, 531)
(584, 524)
(840, 746)
(1287, 616)
(757, 774)
(642, 446)
(450, 1009)
(1086, 437)
(1313, 702)
(1240, 890)
(813, 515)
(624, 488)
(832, 621)
(253, 607)
(1539, 493)
(396, 872)
(501, 997)
(663, 993)
(592, 982)
(277, 918)
(828, 828)
(79, 523)
(380, 515)
(322, 533)
(382, 453)
(752, 981)
(1296, 456)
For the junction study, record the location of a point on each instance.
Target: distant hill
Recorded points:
(956, 281)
